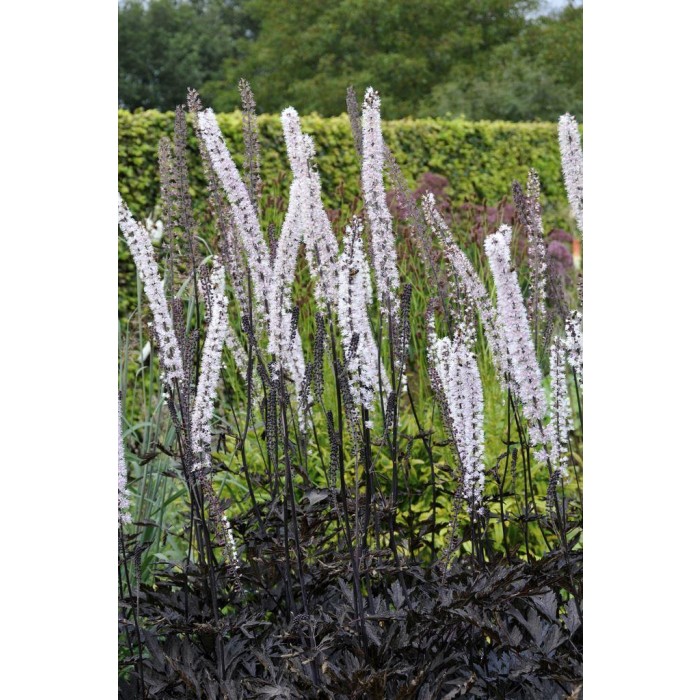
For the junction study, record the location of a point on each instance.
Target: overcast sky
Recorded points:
(552, 5)
(556, 4)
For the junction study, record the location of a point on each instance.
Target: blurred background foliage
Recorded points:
(515, 60)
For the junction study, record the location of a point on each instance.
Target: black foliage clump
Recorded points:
(500, 631)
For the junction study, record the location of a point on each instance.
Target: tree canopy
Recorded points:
(483, 59)
(166, 46)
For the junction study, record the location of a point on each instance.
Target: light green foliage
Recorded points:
(480, 159)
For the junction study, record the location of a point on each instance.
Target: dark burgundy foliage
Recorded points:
(497, 630)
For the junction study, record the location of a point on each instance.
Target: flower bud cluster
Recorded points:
(530, 213)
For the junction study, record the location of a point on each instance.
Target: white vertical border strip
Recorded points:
(641, 343)
(58, 352)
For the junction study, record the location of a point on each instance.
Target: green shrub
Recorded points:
(480, 159)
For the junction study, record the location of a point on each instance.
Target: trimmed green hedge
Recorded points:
(480, 159)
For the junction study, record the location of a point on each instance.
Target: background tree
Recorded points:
(309, 51)
(538, 74)
(166, 46)
(484, 59)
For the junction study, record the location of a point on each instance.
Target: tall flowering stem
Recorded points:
(231, 251)
(203, 411)
(231, 340)
(124, 516)
(271, 283)
(472, 287)
(530, 214)
(560, 423)
(210, 371)
(251, 140)
(280, 282)
(142, 251)
(456, 381)
(354, 118)
(244, 214)
(284, 340)
(319, 239)
(378, 216)
(512, 316)
(574, 344)
(354, 297)
(572, 165)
